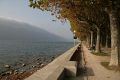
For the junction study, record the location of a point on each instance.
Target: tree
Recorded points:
(99, 13)
(114, 6)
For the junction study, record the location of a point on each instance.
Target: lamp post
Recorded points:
(74, 37)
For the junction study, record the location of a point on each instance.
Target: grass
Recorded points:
(106, 65)
(100, 54)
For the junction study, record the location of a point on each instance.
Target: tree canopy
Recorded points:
(101, 17)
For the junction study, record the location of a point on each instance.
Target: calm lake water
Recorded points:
(16, 52)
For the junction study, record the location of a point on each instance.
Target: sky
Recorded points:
(20, 11)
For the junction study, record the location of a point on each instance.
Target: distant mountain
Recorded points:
(13, 30)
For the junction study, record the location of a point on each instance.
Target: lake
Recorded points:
(16, 53)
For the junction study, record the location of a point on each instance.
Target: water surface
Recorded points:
(19, 52)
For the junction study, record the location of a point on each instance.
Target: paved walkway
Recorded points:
(95, 71)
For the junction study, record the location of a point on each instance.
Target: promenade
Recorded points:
(94, 69)
(76, 64)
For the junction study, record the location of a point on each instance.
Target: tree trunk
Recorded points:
(88, 41)
(106, 44)
(98, 41)
(91, 43)
(114, 38)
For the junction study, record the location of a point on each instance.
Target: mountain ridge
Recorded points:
(14, 30)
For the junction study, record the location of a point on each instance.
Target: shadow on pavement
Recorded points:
(83, 73)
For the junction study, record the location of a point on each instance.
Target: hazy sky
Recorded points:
(20, 11)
